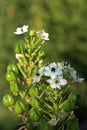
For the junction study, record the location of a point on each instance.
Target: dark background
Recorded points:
(66, 22)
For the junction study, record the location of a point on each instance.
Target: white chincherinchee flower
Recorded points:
(21, 30)
(42, 34)
(57, 83)
(52, 70)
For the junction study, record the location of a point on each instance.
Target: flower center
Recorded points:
(56, 81)
(37, 74)
(53, 69)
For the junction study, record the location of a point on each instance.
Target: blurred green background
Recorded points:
(66, 23)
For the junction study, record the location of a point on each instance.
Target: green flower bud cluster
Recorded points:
(11, 77)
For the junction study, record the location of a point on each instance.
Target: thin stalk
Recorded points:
(22, 72)
(47, 104)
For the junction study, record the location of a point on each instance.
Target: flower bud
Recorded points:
(68, 105)
(35, 102)
(73, 96)
(19, 107)
(72, 123)
(34, 114)
(32, 32)
(10, 76)
(12, 67)
(33, 91)
(8, 100)
(14, 87)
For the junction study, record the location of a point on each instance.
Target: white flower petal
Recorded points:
(18, 31)
(50, 81)
(46, 71)
(80, 80)
(53, 83)
(59, 71)
(53, 75)
(58, 86)
(63, 81)
(21, 30)
(53, 65)
(36, 79)
(19, 56)
(41, 34)
(25, 28)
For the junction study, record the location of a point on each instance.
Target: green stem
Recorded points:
(37, 42)
(65, 120)
(22, 72)
(46, 112)
(50, 107)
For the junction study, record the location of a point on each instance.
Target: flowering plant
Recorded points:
(39, 91)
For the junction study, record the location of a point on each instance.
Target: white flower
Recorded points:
(57, 83)
(42, 34)
(38, 75)
(19, 56)
(80, 80)
(52, 70)
(21, 30)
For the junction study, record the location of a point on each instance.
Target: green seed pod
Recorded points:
(68, 105)
(73, 96)
(8, 100)
(43, 126)
(72, 123)
(19, 107)
(34, 114)
(12, 67)
(35, 102)
(10, 76)
(33, 91)
(14, 87)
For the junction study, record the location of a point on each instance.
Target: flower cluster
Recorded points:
(56, 75)
(38, 91)
(41, 33)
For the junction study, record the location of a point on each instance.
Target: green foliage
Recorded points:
(72, 123)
